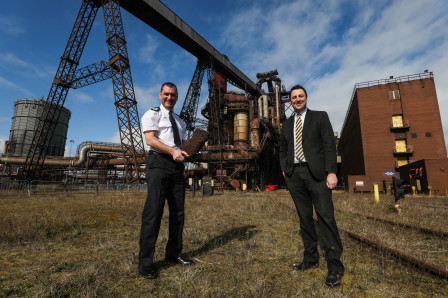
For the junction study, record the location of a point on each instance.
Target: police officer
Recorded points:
(163, 132)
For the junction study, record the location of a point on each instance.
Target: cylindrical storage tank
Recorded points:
(240, 127)
(25, 122)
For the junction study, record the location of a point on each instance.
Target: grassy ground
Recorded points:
(244, 244)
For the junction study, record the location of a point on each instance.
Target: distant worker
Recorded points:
(163, 131)
(308, 161)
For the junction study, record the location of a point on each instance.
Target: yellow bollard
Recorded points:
(377, 193)
(429, 187)
(413, 190)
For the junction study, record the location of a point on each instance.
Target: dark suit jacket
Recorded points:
(318, 145)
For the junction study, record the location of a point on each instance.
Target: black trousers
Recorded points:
(165, 182)
(306, 193)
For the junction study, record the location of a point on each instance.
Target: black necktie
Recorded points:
(175, 130)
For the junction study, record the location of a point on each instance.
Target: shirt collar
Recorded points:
(303, 113)
(164, 110)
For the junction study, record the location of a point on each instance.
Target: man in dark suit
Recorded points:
(308, 161)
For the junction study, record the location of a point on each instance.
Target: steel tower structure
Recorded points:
(67, 76)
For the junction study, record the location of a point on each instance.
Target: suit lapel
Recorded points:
(291, 127)
(306, 125)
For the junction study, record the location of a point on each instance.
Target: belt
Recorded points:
(150, 152)
(301, 164)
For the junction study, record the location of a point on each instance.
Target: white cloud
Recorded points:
(147, 51)
(147, 97)
(11, 62)
(81, 97)
(11, 25)
(6, 84)
(116, 139)
(330, 46)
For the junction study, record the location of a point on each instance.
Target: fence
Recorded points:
(14, 187)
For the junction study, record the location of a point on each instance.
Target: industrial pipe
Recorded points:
(255, 133)
(260, 106)
(205, 156)
(57, 162)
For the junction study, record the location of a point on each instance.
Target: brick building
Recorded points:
(389, 123)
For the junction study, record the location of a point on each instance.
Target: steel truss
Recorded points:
(125, 103)
(67, 76)
(190, 107)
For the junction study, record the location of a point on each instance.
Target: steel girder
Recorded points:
(67, 76)
(91, 74)
(190, 107)
(59, 89)
(125, 103)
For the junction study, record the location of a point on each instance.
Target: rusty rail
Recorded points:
(400, 224)
(422, 265)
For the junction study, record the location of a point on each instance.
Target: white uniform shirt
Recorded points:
(302, 116)
(160, 121)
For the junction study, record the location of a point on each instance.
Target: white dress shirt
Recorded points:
(159, 120)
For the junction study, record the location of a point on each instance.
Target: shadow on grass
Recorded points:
(241, 233)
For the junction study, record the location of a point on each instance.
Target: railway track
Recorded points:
(407, 232)
(400, 224)
(381, 231)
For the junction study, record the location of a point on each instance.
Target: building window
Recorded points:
(428, 134)
(394, 94)
(401, 161)
(397, 121)
(414, 135)
(400, 146)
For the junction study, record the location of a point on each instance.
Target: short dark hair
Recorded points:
(168, 84)
(298, 87)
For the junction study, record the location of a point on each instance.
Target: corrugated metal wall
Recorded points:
(24, 123)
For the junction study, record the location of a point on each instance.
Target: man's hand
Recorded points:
(332, 180)
(179, 155)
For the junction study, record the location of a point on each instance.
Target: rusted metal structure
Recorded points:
(243, 127)
(390, 123)
(67, 77)
(242, 148)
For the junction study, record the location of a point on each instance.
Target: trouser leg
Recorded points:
(151, 216)
(323, 205)
(302, 200)
(176, 203)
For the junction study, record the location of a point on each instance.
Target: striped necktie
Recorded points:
(298, 132)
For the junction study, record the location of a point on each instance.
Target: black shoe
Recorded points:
(147, 271)
(180, 260)
(334, 279)
(305, 266)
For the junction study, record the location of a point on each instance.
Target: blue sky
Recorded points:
(327, 46)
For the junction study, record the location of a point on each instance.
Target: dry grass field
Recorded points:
(244, 245)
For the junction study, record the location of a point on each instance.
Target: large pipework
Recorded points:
(65, 162)
(255, 133)
(265, 106)
(205, 156)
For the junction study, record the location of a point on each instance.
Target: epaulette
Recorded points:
(155, 109)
